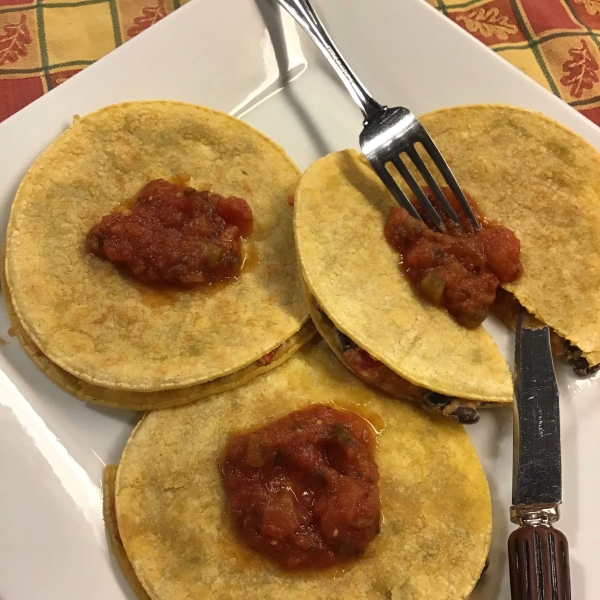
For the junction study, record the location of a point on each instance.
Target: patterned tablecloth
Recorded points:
(44, 42)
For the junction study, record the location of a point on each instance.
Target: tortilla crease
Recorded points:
(171, 507)
(99, 325)
(339, 213)
(148, 400)
(541, 180)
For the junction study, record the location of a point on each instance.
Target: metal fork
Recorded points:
(388, 132)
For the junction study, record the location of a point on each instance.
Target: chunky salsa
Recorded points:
(460, 271)
(303, 490)
(175, 235)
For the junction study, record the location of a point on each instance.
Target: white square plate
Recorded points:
(230, 54)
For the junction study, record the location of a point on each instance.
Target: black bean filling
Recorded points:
(581, 366)
(462, 411)
(507, 308)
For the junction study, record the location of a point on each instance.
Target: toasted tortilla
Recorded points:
(541, 180)
(339, 213)
(99, 325)
(171, 507)
(110, 521)
(148, 400)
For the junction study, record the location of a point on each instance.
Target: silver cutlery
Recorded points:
(538, 553)
(389, 135)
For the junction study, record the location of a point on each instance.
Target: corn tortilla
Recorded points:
(348, 266)
(98, 325)
(541, 180)
(148, 400)
(172, 518)
(110, 520)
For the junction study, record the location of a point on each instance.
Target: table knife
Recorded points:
(538, 553)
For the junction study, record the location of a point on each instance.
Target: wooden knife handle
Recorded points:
(538, 557)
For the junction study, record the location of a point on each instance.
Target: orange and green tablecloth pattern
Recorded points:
(556, 42)
(44, 42)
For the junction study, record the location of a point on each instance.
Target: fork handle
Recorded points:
(538, 557)
(308, 19)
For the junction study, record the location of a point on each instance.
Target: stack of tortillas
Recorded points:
(109, 340)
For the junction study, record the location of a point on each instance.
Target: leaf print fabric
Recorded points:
(14, 41)
(488, 23)
(556, 42)
(591, 6)
(149, 16)
(581, 71)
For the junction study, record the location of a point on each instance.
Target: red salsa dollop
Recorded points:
(303, 490)
(175, 235)
(458, 270)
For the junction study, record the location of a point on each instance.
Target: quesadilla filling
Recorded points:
(175, 235)
(269, 357)
(304, 489)
(506, 307)
(459, 270)
(376, 373)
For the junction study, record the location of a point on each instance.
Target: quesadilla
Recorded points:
(368, 311)
(112, 339)
(541, 180)
(174, 527)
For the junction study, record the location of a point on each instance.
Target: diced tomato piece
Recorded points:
(503, 250)
(459, 269)
(267, 359)
(237, 212)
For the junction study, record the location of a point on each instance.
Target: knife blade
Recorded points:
(537, 476)
(538, 553)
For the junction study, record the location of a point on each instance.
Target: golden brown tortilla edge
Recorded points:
(243, 376)
(326, 333)
(110, 522)
(76, 387)
(209, 109)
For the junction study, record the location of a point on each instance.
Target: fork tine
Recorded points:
(418, 192)
(449, 178)
(433, 184)
(395, 189)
